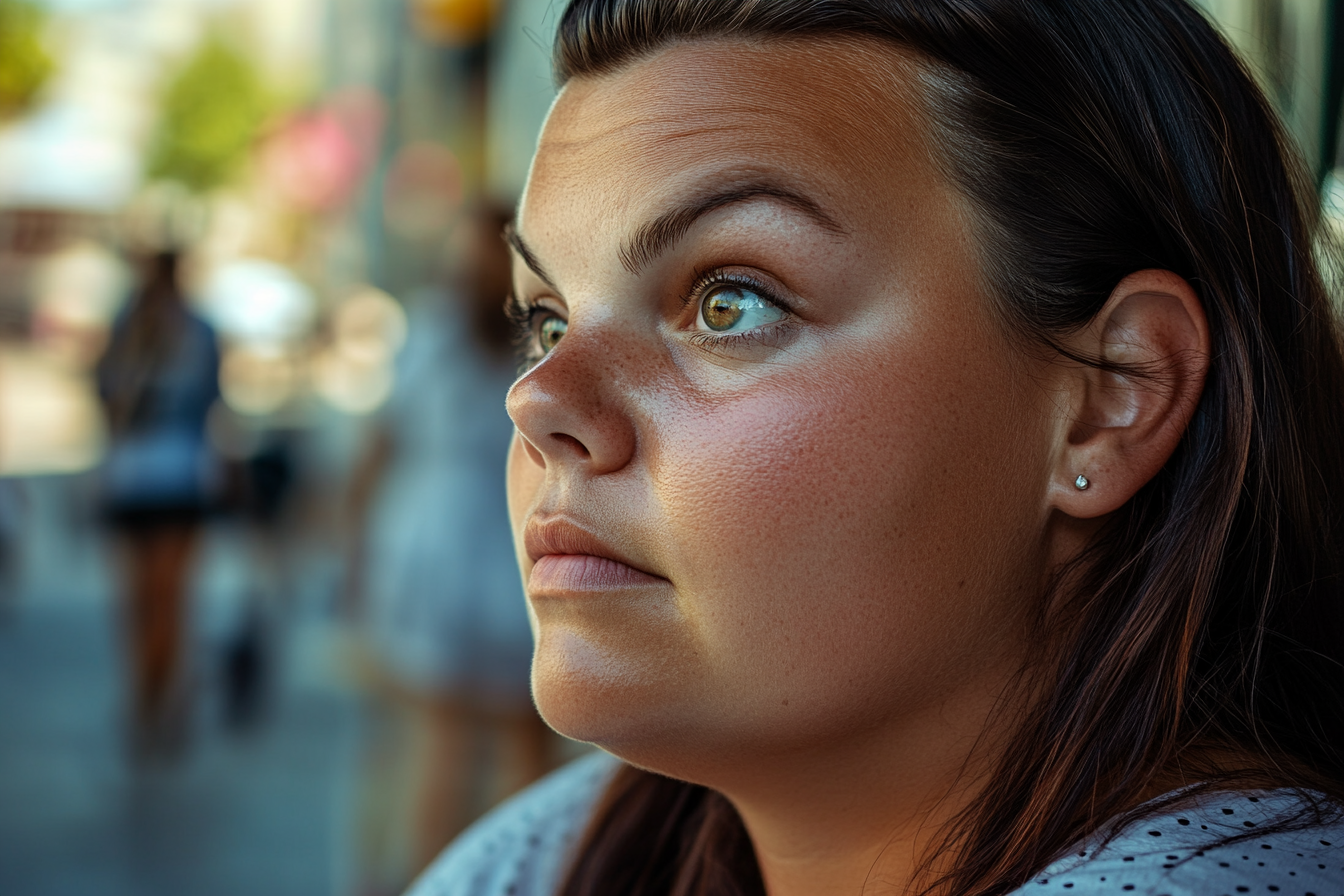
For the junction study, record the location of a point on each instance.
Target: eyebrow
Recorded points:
(515, 241)
(656, 237)
(663, 232)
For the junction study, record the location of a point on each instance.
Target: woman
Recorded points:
(442, 611)
(928, 470)
(158, 379)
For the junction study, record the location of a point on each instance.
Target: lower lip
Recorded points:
(556, 573)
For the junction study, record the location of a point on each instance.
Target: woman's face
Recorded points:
(779, 480)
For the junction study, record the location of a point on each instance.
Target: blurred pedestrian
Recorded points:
(264, 481)
(442, 604)
(157, 380)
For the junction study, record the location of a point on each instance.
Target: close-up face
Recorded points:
(780, 476)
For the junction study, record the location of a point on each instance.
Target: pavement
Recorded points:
(261, 811)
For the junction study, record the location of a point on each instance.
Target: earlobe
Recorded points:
(1127, 415)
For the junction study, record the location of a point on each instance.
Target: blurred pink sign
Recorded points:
(316, 159)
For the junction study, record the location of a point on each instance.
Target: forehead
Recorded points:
(841, 119)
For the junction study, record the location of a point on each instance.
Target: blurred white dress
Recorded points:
(445, 602)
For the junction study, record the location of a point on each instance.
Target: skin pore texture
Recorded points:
(798, 559)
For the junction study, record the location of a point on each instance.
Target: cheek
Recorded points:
(835, 539)
(525, 479)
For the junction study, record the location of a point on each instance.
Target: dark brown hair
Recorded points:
(1094, 138)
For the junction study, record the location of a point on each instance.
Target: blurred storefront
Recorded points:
(327, 145)
(314, 160)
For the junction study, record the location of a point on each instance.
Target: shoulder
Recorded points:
(1185, 852)
(521, 848)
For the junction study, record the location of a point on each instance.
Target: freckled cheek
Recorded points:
(806, 521)
(775, 496)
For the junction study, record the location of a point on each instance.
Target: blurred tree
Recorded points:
(24, 61)
(213, 111)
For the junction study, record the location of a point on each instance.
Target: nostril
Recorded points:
(571, 443)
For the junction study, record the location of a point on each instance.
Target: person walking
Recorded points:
(157, 380)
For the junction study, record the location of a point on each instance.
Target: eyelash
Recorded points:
(522, 316)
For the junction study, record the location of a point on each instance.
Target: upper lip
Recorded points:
(561, 535)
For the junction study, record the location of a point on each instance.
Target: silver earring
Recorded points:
(1081, 483)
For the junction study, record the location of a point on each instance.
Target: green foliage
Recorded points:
(24, 63)
(213, 110)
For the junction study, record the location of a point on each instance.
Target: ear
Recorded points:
(1121, 428)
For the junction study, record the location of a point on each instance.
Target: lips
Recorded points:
(567, 558)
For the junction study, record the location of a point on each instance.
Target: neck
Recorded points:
(860, 816)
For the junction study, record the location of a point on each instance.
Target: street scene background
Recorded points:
(260, 627)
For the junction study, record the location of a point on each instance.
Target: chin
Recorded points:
(592, 694)
(589, 693)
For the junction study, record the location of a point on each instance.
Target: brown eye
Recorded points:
(550, 331)
(722, 309)
(727, 307)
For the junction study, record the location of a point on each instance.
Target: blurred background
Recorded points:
(260, 626)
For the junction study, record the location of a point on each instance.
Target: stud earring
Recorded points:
(1081, 483)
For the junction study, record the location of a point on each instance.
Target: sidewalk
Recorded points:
(262, 812)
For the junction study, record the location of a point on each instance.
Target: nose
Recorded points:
(571, 411)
